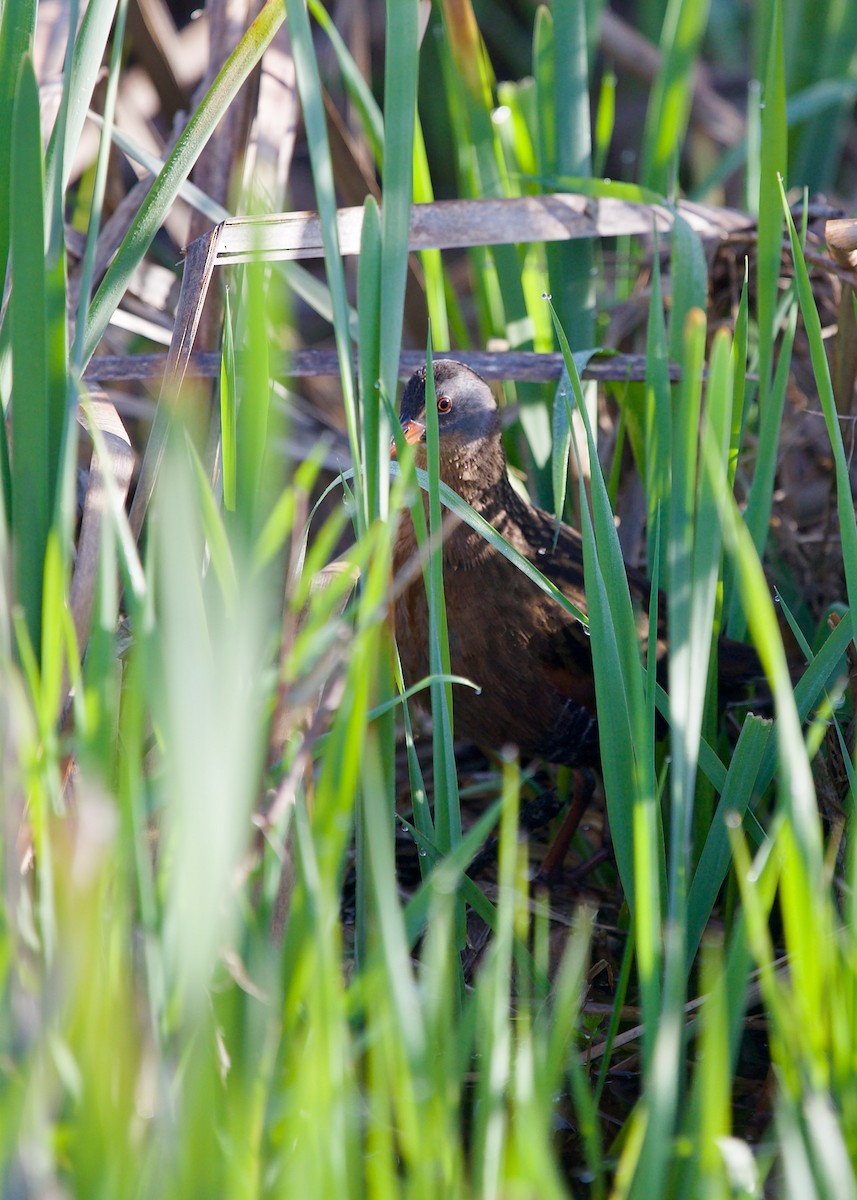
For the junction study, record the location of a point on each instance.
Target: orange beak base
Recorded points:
(414, 432)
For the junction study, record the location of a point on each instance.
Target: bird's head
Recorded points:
(467, 414)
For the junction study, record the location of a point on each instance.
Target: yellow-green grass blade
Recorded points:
(281, 518)
(315, 1054)
(825, 666)
(610, 189)
(481, 170)
(448, 878)
(216, 536)
(98, 697)
(715, 1091)
(693, 570)
(419, 797)
(208, 694)
(669, 102)
(388, 917)
(494, 1035)
(517, 130)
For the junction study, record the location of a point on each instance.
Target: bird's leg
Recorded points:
(584, 787)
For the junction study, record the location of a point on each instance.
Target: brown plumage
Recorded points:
(531, 658)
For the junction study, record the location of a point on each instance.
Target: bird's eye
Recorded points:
(444, 404)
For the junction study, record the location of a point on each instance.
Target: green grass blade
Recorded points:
(442, 310)
(481, 168)
(562, 435)
(715, 859)
(34, 474)
(687, 655)
(761, 495)
(796, 786)
(86, 56)
(216, 538)
(605, 122)
(740, 341)
(208, 694)
(627, 765)
(17, 26)
(817, 147)
(447, 812)
(369, 363)
(309, 86)
(454, 503)
(669, 102)
(821, 371)
(401, 71)
(358, 90)
(570, 264)
(177, 168)
(689, 274)
(801, 107)
(774, 152)
(254, 408)
(657, 423)
(228, 409)
(100, 181)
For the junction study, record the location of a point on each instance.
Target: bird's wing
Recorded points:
(561, 643)
(565, 646)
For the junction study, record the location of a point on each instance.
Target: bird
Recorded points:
(530, 658)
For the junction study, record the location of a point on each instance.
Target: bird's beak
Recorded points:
(414, 431)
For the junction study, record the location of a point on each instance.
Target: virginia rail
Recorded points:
(531, 658)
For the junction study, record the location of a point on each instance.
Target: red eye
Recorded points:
(444, 404)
